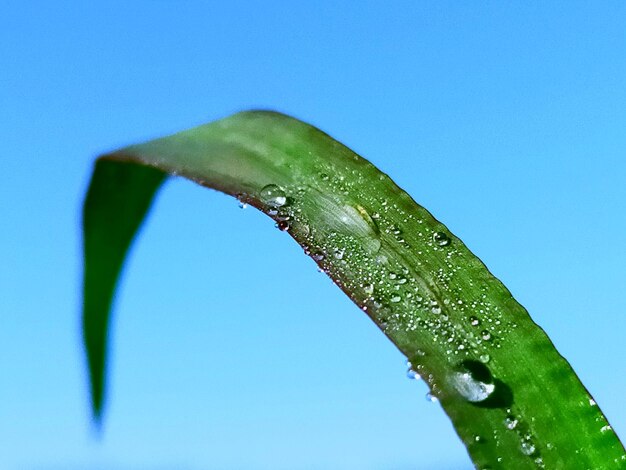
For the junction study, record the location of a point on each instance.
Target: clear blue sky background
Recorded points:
(505, 119)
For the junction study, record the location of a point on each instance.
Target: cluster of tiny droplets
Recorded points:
(397, 298)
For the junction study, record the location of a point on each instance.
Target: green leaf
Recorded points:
(514, 401)
(118, 199)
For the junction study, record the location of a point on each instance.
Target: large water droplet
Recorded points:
(273, 196)
(471, 389)
(441, 239)
(473, 381)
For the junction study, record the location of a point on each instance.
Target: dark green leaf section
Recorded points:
(118, 199)
(514, 401)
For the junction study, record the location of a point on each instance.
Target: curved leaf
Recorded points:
(514, 401)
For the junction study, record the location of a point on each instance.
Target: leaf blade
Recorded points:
(116, 203)
(429, 294)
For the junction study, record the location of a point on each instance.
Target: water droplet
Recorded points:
(484, 358)
(324, 176)
(605, 428)
(592, 402)
(474, 321)
(510, 422)
(486, 335)
(273, 196)
(369, 289)
(396, 299)
(441, 239)
(410, 373)
(471, 389)
(431, 398)
(473, 381)
(477, 438)
(282, 225)
(241, 199)
(528, 448)
(317, 256)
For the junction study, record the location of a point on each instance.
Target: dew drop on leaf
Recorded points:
(441, 239)
(410, 373)
(473, 381)
(510, 422)
(282, 225)
(273, 196)
(528, 448)
(471, 389)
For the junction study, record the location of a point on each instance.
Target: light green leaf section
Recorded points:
(514, 401)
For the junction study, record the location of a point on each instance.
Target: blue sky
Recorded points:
(229, 349)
